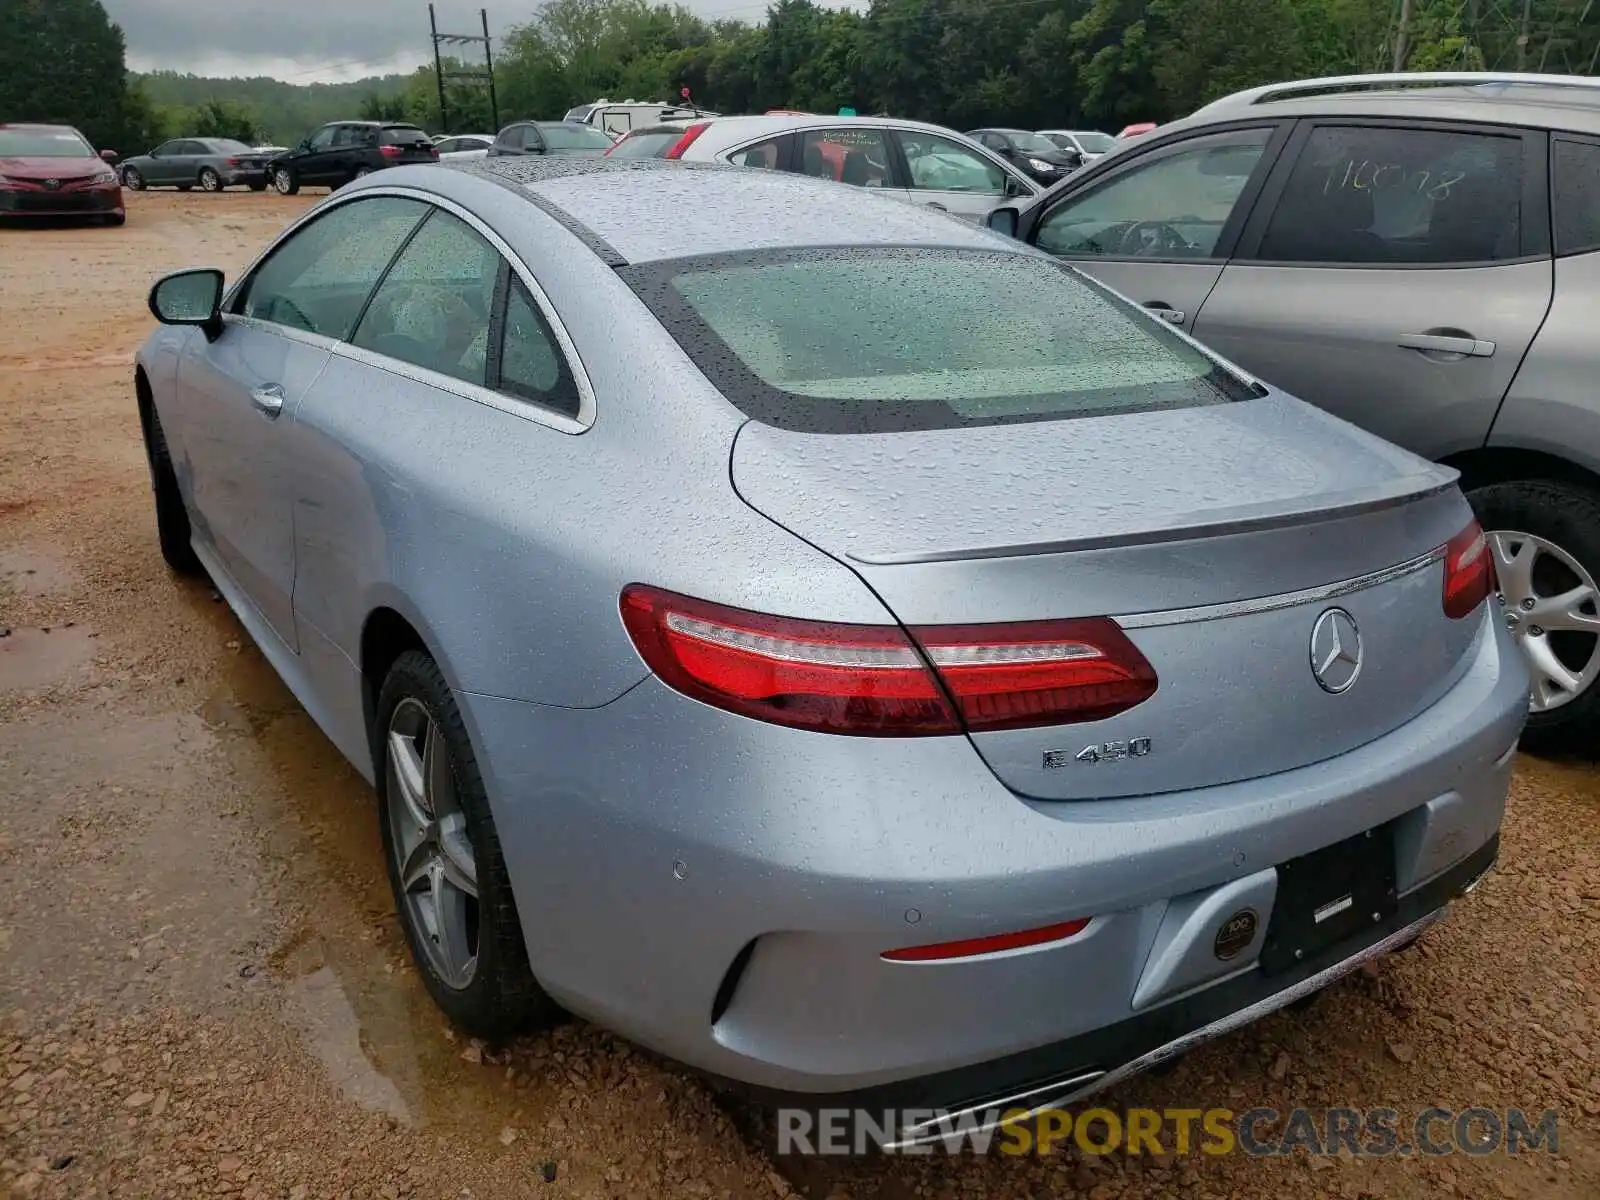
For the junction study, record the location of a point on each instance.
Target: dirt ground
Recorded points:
(205, 992)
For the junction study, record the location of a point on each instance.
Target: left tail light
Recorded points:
(1468, 572)
(689, 135)
(389, 151)
(875, 680)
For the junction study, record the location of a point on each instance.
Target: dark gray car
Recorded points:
(1419, 254)
(210, 164)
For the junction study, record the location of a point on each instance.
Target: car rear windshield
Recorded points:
(648, 143)
(563, 135)
(581, 113)
(229, 146)
(873, 340)
(43, 143)
(403, 135)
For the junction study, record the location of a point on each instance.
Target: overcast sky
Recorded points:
(306, 41)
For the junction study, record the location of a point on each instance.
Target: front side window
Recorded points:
(531, 363)
(859, 157)
(940, 165)
(168, 150)
(432, 309)
(1576, 168)
(1175, 204)
(1372, 195)
(323, 138)
(873, 340)
(319, 278)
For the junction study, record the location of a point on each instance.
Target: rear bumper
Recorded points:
(75, 202)
(722, 890)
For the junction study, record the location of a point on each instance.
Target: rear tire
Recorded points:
(416, 721)
(285, 182)
(361, 173)
(116, 219)
(210, 181)
(1560, 527)
(172, 519)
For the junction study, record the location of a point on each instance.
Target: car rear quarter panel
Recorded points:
(1554, 402)
(514, 539)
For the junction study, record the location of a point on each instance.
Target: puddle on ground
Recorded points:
(37, 658)
(30, 572)
(332, 1030)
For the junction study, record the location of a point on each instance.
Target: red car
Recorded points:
(53, 171)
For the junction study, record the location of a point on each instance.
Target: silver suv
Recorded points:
(1419, 254)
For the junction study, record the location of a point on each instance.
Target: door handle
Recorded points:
(268, 399)
(1172, 316)
(1438, 343)
(936, 204)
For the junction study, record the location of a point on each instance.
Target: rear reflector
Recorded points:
(874, 680)
(972, 947)
(1468, 572)
(687, 140)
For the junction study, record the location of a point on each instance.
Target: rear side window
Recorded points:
(531, 363)
(1576, 168)
(859, 157)
(403, 135)
(574, 137)
(319, 278)
(874, 340)
(1373, 195)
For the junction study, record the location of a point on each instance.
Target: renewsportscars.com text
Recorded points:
(1258, 1132)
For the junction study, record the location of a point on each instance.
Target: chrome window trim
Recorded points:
(516, 406)
(1265, 604)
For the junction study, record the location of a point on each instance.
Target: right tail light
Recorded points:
(1468, 572)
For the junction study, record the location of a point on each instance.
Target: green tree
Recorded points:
(224, 119)
(62, 61)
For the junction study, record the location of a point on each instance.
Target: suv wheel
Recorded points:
(1545, 535)
(363, 172)
(284, 181)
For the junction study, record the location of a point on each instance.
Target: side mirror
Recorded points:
(109, 156)
(190, 298)
(1003, 220)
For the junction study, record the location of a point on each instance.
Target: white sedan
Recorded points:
(464, 146)
(908, 160)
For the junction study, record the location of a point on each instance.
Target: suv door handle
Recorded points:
(1438, 343)
(1173, 316)
(268, 399)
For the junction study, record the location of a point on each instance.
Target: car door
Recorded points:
(861, 156)
(1395, 273)
(316, 165)
(238, 394)
(943, 174)
(164, 163)
(1159, 227)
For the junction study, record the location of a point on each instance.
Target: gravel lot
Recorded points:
(205, 992)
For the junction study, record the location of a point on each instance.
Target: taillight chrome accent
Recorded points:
(882, 680)
(1469, 577)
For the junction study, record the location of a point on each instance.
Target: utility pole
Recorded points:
(1402, 35)
(481, 78)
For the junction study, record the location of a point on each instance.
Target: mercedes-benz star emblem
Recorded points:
(1335, 650)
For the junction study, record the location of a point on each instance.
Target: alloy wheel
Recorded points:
(282, 181)
(210, 181)
(1552, 606)
(433, 853)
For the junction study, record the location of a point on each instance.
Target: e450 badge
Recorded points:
(1098, 753)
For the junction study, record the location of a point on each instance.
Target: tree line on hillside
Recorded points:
(1032, 63)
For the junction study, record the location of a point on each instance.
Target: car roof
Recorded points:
(780, 124)
(38, 127)
(645, 210)
(1538, 101)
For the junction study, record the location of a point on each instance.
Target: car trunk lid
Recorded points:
(1217, 537)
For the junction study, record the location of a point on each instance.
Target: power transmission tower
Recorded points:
(474, 78)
